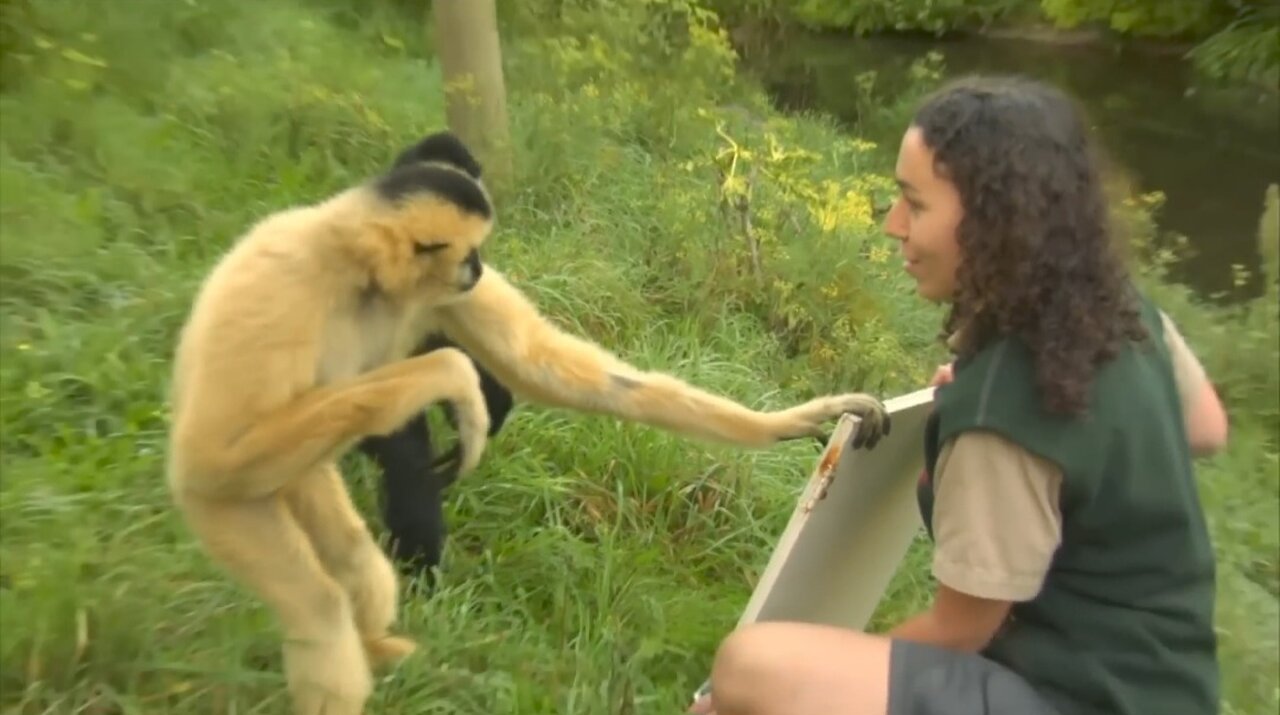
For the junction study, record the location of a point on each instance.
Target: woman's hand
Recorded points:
(942, 376)
(702, 706)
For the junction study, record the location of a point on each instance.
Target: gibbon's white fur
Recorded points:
(296, 347)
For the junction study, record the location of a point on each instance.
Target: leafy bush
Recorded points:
(872, 16)
(1237, 40)
(1246, 50)
(1142, 17)
(902, 15)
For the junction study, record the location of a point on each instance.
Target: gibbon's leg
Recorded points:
(346, 549)
(503, 331)
(261, 546)
(412, 495)
(320, 424)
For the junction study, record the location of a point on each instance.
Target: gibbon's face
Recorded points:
(431, 222)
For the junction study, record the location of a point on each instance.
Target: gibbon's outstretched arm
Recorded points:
(502, 330)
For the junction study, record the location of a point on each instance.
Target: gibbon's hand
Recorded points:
(464, 400)
(473, 434)
(806, 420)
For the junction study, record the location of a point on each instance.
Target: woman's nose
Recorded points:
(895, 224)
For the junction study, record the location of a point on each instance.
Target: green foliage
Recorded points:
(936, 16)
(871, 16)
(663, 209)
(804, 237)
(1269, 236)
(1141, 17)
(1238, 40)
(1234, 338)
(1246, 50)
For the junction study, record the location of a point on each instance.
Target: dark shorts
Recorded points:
(927, 680)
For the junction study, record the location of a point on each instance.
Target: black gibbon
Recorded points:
(414, 478)
(300, 343)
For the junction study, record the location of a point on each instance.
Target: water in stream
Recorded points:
(1211, 153)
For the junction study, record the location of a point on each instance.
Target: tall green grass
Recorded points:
(594, 565)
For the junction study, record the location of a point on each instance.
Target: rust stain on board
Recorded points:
(826, 467)
(830, 459)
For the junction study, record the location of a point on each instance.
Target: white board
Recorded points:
(838, 553)
(852, 524)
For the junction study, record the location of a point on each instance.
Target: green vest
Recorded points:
(1124, 622)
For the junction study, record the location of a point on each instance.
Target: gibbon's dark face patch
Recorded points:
(475, 269)
(416, 179)
(442, 147)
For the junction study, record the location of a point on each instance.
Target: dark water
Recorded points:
(1211, 152)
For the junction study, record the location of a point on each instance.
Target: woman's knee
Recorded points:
(750, 670)
(771, 667)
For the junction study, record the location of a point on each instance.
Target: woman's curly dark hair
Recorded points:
(1037, 255)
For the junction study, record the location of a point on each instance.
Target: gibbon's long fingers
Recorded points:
(808, 419)
(504, 332)
(473, 427)
(323, 508)
(260, 545)
(315, 428)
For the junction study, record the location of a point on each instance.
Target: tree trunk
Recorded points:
(466, 37)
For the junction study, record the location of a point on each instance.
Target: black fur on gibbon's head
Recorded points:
(440, 165)
(419, 179)
(440, 148)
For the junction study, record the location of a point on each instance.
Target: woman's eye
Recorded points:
(421, 248)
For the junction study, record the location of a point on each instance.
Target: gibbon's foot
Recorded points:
(328, 677)
(417, 536)
(388, 650)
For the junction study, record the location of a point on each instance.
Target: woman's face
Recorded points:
(924, 219)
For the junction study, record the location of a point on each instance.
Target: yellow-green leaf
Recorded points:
(80, 57)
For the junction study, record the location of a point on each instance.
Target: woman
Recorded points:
(1074, 570)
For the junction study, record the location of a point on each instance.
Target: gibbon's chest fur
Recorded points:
(368, 332)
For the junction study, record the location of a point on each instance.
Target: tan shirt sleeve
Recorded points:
(996, 518)
(1187, 370)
